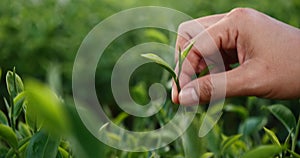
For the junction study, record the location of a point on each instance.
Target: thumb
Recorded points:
(236, 82)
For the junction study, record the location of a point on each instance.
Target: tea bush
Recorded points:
(41, 38)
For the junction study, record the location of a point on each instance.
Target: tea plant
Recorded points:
(34, 122)
(166, 66)
(248, 142)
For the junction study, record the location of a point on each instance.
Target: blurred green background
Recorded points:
(41, 38)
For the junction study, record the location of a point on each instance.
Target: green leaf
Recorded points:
(42, 145)
(251, 125)
(157, 35)
(7, 134)
(295, 155)
(7, 106)
(44, 106)
(63, 152)
(14, 84)
(24, 130)
(3, 118)
(207, 155)
(287, 140)
(10, 153)
(284, 115)
(186, 51)
(272, 136)
(206, 70)
(120, 118)
(263, 151)
(181, 58)
(18, 103)
(192, 144)
(161, 62)
(23, 144)
(229, 141)
(294, 141)
(235, 65)
(240, 110)
(32, 119)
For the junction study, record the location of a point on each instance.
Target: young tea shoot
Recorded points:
(181, 57)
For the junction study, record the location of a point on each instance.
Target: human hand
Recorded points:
(268, 52)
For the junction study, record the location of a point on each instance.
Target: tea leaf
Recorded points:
(251, 125)
(186, 51)
(18, 103)
(181, 58)
(23, 144)
(206, 70)
(193, 145)
(7, 134)
(263, 151)
(120, 118)
(44, 105)
(14, 84)
(156, 35)
(284, 115)
(294, 142)
(295, 155)
(161, 62)
(3, 118)
(24, 129)
(235, 65)
(42, 145)
(63, 152)
(207, 155)
(272, 136)
(229, 141)
(240, 110)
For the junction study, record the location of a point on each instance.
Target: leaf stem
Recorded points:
(296, 134)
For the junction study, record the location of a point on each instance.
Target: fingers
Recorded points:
(237, 82)
(184, 78)
(188, 30)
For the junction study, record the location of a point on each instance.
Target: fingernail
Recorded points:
(188, 97)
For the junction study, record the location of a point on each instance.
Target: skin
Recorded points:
(268, 52)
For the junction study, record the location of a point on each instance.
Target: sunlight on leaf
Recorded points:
(263, 151)
(45, 106)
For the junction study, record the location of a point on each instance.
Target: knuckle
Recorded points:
(240, 13)
(183, 25)
(206, 89)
